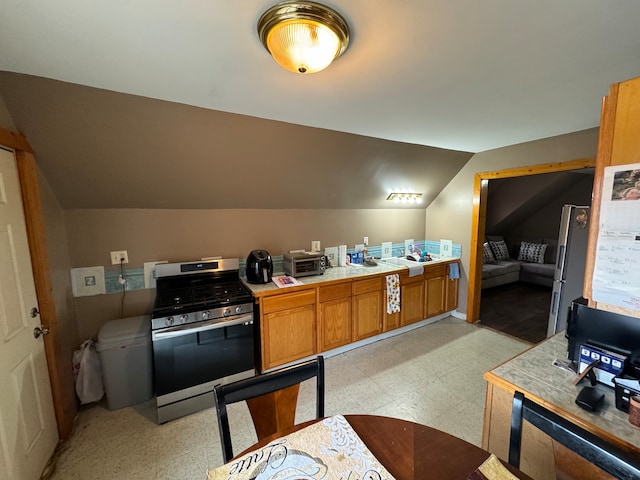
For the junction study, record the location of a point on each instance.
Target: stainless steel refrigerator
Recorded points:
(571, 258)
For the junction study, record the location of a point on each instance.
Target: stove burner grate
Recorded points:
(200, 296)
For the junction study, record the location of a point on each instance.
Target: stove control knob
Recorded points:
(238, 309)
(226, 312)
(169, 321)
(183, 318)
(206, 315)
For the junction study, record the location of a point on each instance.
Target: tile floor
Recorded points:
(431, 375)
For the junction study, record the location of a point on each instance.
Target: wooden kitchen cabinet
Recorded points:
(543, 458)
(390, 321)
(304, 321)
(617, 147)
(334, 316)
(435, 288)
(411, 299)
(451, 295)
(288, 328)
(367, 308)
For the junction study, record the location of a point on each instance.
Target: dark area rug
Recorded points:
(517, 309)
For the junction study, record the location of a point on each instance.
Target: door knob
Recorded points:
(40, 331)
(34, 312)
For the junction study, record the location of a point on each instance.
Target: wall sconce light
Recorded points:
(303, 37)
(405, 197)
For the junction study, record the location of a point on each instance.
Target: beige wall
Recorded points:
(178, 235)
(449, 215)
(182, 235)
(545, 221)
(59, 264)
(6, 120)
(93, 312)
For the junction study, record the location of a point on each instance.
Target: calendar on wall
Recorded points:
(616, 276)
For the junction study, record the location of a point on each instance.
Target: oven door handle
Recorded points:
(203, 327)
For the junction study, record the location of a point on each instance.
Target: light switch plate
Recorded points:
(446, 248)
(408, 246)
(332, 255)
(386, 250)
(87, 281)
(119, 256)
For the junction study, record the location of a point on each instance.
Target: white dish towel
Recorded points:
(393, 293)
(415, 270)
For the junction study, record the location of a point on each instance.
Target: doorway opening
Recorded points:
(479, 224)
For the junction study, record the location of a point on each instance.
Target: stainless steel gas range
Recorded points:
(203, 333)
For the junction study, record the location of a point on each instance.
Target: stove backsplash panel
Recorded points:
(136, 276)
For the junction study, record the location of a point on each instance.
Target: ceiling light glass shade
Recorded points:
(303, 47)
(303, 37)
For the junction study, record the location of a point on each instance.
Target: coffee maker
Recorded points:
(259, 267)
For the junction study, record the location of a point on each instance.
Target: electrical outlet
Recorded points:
(117, 257)
(315, 246)
(366, 241)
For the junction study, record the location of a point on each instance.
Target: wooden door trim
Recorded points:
(14, 141)
(605, 147)
(479, 213)
(32, 206)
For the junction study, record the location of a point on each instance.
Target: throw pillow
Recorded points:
(487, 254)
(532, 252)
(500, 250)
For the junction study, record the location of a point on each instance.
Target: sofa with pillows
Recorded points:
(524, 260)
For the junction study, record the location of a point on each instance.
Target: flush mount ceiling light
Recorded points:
(399, 197)
(303, 37)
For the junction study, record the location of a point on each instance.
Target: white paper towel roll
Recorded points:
(342, 255)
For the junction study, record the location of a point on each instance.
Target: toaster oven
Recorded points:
(304, 264)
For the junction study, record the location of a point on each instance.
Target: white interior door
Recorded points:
(28, 432)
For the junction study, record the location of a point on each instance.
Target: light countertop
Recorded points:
(533, 373)
(340, 273)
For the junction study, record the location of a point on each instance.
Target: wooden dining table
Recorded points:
(410, 450)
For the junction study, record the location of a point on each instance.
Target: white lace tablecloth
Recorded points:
(329, 449)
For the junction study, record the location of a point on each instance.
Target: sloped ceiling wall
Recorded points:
(102, 149)
(530, 206)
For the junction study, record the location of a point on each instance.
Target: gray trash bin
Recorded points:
(124, 347)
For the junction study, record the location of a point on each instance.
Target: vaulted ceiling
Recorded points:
(160, 104)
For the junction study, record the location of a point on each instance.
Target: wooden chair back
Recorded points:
(271, 397)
